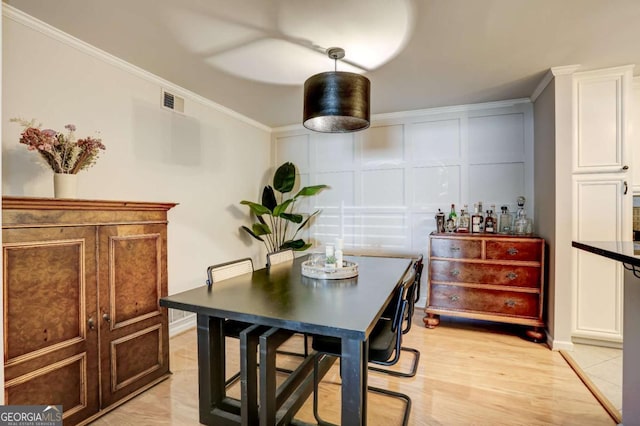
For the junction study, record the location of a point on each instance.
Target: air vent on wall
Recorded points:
(172, 102)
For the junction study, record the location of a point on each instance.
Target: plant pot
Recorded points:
(65, 185)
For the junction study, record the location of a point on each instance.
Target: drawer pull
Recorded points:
(455, 248)
(455, 272)
(454, 298)
(510, 303)
(512, 251)
(512, 275)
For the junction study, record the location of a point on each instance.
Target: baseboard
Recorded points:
(559, 345)
(181, 325)
(598, 342)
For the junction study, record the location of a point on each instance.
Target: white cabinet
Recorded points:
(600, 114)
(602, 198)
(602, 212)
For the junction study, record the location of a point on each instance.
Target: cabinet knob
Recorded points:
(454, 298)
(512, 275)
(106, 317)
(512, 251)
(625, 167)
(510, 303)
(455, 272)
(92, 324)
(455, 248)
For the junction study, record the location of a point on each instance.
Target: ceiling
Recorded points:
(253, 56)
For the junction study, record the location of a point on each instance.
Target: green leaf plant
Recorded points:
(276, 216)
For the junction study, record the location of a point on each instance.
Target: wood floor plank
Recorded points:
(469, 374)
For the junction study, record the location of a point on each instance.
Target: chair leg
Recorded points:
(316, 382)
(412, 372)
(407, 408)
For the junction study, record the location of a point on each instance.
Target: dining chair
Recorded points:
(223, 271)
(275, 258)
(413, 295)
(280, 256)
(384, 345)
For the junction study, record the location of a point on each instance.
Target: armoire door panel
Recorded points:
(34, 323)
(135, 277)
(63, 383)
(126, 366)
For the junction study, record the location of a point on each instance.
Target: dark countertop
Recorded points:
(623, 251)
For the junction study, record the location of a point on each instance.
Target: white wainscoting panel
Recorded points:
(387, 182)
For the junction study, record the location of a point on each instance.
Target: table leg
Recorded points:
(269, 342)
(211, 366)
(249, 375)
(354, 360)
(631, 351)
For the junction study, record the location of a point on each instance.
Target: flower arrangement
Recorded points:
(61, 151)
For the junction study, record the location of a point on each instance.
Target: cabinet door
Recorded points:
(601, 112)
(133, 326)
(602, 212)
(51, 338)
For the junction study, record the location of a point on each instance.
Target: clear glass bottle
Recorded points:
(464, 220)
(506, 221)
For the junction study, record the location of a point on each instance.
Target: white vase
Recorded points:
(65, 185)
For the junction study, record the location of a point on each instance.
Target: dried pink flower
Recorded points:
(62, 152)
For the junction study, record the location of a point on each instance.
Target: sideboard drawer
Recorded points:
(483, 300)
(513, 250)
(456, 248)
(466, 272)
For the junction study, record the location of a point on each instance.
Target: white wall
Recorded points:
(388, 181)
(207, 159)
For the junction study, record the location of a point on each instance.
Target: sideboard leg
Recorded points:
(431, 320)
(536, 334)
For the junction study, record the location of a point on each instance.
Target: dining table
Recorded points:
(277, 302)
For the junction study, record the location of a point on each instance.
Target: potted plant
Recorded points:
(276, 214)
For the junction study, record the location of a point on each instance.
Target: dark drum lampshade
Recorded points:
(336, 102)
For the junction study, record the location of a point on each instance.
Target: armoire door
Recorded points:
(133, 326)
(50, 319)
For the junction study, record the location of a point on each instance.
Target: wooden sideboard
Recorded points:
(486, 276)
(82, 320)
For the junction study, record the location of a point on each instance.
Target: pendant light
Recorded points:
(336, 101)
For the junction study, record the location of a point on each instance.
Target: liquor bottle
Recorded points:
(452, 222)
(463, 221)
(440, 221)
(505, 221)
(489, 224)
(480, 211)
(452, 213)
(476, 220)
(494, 215)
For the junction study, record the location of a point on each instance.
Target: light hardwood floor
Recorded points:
(469, 374)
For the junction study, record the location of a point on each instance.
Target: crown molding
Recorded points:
(549, 75)
(29, 21)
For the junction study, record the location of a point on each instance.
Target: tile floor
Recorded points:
(604, 367)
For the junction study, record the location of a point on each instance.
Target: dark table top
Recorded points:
(623, 251)
(282, 297)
